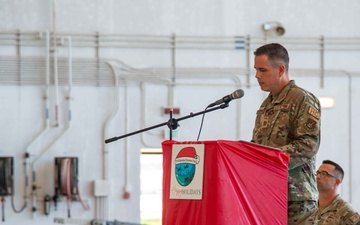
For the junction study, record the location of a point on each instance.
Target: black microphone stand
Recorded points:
(172, 123)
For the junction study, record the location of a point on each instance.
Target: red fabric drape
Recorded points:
(243, 183)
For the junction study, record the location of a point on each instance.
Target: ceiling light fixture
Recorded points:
(327, 102)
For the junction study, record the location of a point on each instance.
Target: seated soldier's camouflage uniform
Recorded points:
(338, 212)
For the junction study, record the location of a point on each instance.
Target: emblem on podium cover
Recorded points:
(186, 180)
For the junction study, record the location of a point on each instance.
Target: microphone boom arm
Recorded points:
(172, 123)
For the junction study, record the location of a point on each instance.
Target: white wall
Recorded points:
(140, 101)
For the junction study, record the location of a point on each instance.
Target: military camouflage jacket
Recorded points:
(290, 121)
(338, 212)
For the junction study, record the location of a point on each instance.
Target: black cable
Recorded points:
(3, 208)
(202, 121)
(25, 188)
(3, 187)
(13, 205)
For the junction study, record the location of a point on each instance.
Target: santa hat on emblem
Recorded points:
(188, 154)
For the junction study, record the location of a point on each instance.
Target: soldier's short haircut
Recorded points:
(338, 168)
(276, 53)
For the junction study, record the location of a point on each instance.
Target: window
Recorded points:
(151, 186)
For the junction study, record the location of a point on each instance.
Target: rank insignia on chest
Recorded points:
(264, 123)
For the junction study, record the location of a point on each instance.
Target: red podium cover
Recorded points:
(243, 183)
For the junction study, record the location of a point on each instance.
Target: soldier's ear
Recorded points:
(338, 181)
(281, 69)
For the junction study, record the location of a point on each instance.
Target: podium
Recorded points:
(224, 183)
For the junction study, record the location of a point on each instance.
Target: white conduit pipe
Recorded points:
(143, 123)
(350, 144)
(125, 76)
(126, 187)
(126, 147)
(350, 137)
(102, 207)
(62, 134)
(126, 125)
(70, 69)
(47, 119)
(109, 120)
(56, 76)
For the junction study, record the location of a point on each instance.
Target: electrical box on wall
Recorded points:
(6, 176)
(66, 176)
(174, 110)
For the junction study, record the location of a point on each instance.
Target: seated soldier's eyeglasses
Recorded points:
(324, 174)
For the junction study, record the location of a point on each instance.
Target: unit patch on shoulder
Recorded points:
(315, 113)
(310, 124)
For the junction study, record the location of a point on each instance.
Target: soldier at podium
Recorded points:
(289, 119)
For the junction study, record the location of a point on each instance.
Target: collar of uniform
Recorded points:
(279, 97)
(324, 209)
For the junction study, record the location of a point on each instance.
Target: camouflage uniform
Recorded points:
(290, 121)
(338, 212)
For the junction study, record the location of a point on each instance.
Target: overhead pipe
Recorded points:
(197, 42)
(83, 78)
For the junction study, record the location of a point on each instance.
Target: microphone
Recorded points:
(226, 99)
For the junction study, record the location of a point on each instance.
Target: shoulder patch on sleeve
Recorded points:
(310, 124)
(313, 112)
